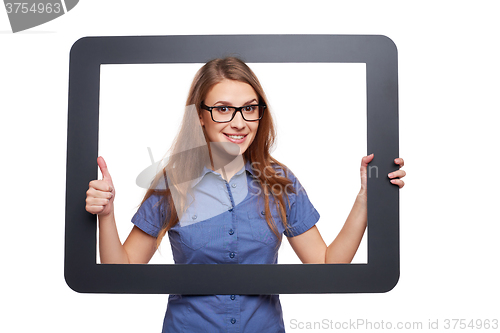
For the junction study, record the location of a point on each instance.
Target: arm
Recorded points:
(345, 245)
(139, 246)
(310, 246)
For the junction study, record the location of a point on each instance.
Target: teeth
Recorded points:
(236, 137)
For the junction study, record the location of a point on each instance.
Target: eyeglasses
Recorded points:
(224, 114)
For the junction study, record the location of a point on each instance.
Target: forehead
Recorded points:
(231, 91)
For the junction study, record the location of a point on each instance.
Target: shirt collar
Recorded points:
(206, 170)
(248, 167)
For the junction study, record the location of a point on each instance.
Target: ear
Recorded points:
(201, 121)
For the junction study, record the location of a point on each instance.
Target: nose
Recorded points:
(238, 121)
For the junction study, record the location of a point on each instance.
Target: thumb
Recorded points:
(366, 160)
(104, 170)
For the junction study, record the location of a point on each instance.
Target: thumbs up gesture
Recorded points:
(101, 193)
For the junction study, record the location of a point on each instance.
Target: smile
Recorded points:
(235, 138)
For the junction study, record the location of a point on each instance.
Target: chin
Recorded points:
(227, 147)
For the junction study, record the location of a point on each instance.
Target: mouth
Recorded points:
(236, 138)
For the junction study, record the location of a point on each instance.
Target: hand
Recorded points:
(398, 173)
(101, 193)
(364, 163)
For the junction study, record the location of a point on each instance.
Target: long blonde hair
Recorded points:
(182, 166)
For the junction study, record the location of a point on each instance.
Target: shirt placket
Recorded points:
(233, 301)
(232, 231)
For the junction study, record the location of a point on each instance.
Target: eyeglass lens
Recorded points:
(225, 113)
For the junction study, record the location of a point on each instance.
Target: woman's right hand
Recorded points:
(101, 193)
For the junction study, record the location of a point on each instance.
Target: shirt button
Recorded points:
(233, 321)
(263, 213)
(230, 209)
(231, 255)
(233, 297)
(233, 186)
(231, 231)
(194, 217)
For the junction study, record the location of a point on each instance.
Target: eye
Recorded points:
(222, 109)
(249, 108)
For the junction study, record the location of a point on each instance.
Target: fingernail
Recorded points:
(390, 175)
(393, 181)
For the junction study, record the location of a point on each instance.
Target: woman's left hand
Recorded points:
(395, 176)
(362, 170)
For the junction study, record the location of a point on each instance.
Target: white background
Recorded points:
(148, 100)
(448, 91)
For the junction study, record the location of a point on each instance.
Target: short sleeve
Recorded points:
(150, 216)
(302, 215)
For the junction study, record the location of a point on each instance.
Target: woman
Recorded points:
(223, 199)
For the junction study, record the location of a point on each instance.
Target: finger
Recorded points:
(100, 185)
(104, 169)
(94, 209)
(398, 173)
(399, 161)
(97, 201)
(398, 182)
(96, 193)
(367, 159)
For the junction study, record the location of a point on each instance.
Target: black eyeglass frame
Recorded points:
(236, 109)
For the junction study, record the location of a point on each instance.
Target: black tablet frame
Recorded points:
(380, 274)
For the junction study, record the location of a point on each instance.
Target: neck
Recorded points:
(229, 170)
(226, 159)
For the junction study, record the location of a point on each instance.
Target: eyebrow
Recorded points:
(226, 103)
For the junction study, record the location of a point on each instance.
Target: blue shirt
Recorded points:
(225, 224)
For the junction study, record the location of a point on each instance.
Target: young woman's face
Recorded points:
(238, 131)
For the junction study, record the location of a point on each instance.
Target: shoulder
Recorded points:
(274, 169)
(285, 181)
(284, 172)
(151, 214)
(155, 206)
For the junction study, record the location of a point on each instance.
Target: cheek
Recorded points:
(254, 134)
(213, 131)
(255, 128)
(204, 120)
